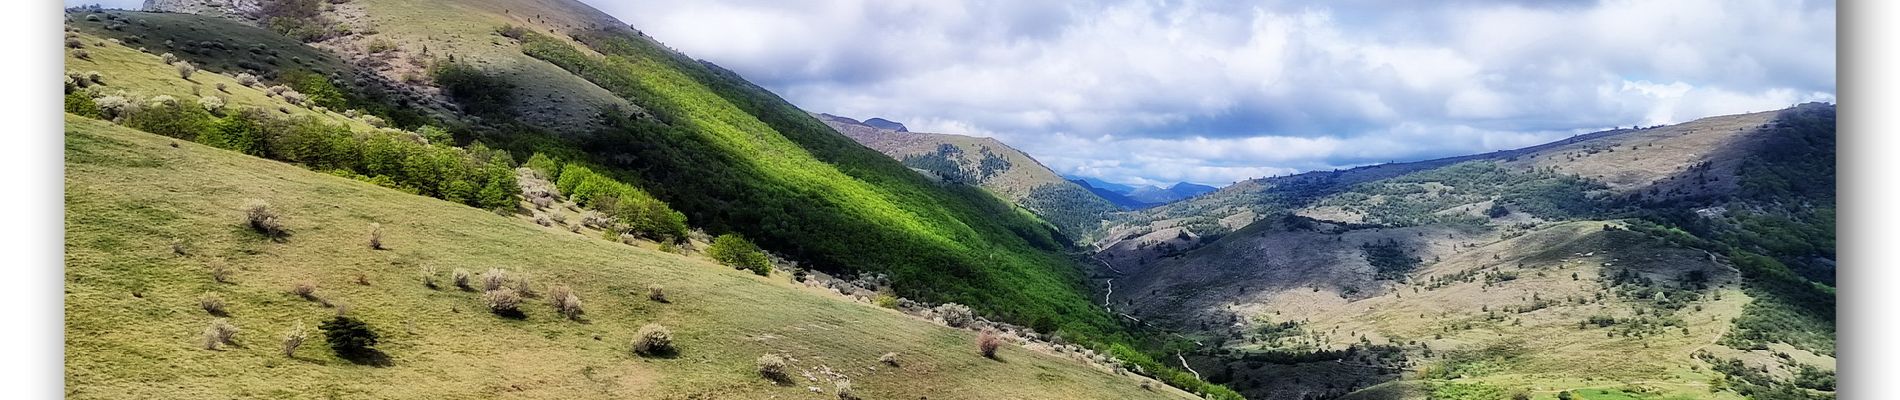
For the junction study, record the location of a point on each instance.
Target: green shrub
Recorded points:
(78, 103)
(542, 164)
(316, 88)
(167, 116)
(349, 337)
(733, 250)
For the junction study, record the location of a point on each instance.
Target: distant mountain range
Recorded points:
(1140, 196)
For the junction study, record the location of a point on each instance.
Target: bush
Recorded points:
(168, 58)
(82, 54)
(305, 289)
(294, 339)
(888, 359)
(220, 333)
(773, 367)
(494, 279)
(544, 165)
(503, 301)
(211, 104)
(375, 236)
(428, 278)
(523, 284)
(477, 92)
(212, 304)
(987, 343)
(220, 273)
(956, 315)
(262, 219)
(246, 79)
(461, 277)
(349, 337)
(565, 301)
(656, 293)
(78, 103)
(733, 250)
(185, 69)
(164, 115)
(843, 388)
(653, 339)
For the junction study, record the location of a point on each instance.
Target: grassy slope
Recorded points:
(735, 157)
(133, 320)
(1026, 182)
(126, 69)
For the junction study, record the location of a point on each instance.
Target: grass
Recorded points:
(134, 323)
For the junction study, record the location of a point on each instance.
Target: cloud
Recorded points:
(1146, 91)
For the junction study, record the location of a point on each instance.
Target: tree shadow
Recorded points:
(511, 314)
(370, 357)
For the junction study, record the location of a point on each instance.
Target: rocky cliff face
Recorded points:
(239, 10)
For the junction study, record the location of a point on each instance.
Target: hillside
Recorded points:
(133, 305)
(986, 163)
(1505, 272)
(447, 99)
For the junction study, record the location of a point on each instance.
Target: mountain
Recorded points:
(1104, 185)
(1697, 251)
(990, 164)
(1112, 195)
(885, 124)
(548, 112)
(1155, 194)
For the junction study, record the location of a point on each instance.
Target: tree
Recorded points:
(349, 337)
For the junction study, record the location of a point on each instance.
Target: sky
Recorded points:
(1212, 92)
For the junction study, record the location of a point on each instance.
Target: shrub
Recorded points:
(220, 273)
(956, 315)
(185, 69)
(75, 43)
(733, 250)
(653, 339)
(502, 301)
(381, 45)
(987, 343)
(294, 339)
(220, 86)
(349, 337)
(773, 367)
(168, 58)
(495, 278)
(461, 277)
(115, 107)
(305, 289)
(843, 388)
(80, 104)
(885, 300)
(220, 333)
(82, 54)
(375, 236)
(212, 104)
(262, 219)
(164, 115)
(523, 284)
(656, 293)
(544, 165)
(428, 278)
(565, 301)
(888, 359)
(246, 79)
(212, 304)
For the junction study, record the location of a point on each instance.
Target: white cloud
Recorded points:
(1157, 90)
